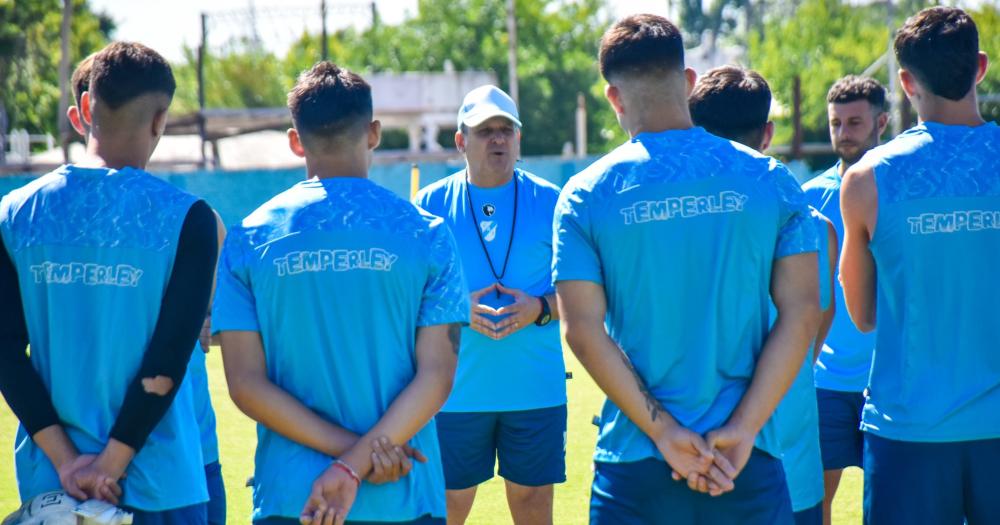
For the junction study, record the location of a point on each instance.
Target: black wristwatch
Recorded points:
(546, 315)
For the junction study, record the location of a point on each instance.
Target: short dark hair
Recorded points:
(328, 101)
(940, 47)
(81, 77)
(853, 88)
(641, 45)
(124, 71)
(732, 102)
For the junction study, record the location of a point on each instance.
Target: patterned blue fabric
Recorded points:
(525, 370)
(197, 375)
(797, 416)
(94, 249)
(682, 228)
(936, 371)
(336, 275)
(846, 358)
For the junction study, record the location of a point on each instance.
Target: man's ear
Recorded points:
(691, 77)
(614, 96)
(908, 82)
(984, 65)
(460, 141)
(73, 115)
(295, 143)
(87, 108)
(374, 134)
(882, 121)
(159, 122)
(768, 135)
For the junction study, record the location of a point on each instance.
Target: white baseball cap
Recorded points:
(484, 103)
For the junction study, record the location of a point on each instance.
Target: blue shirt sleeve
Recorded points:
(574, 253)
(446, 295)
(234, 307)
(798, 231)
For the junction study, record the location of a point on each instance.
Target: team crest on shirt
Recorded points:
(489, 209)
(488, 229)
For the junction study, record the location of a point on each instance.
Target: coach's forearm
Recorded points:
(779, 362)
(271, 406)
(413, 408)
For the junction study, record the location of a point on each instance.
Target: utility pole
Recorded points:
(202, 49)
(895, 98)
(512, 51)
(64, 79)
(324, 44)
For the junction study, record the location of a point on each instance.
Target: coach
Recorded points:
(509, 398)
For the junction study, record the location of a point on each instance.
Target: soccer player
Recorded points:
(339, 307)
(922, 223)
(733, 103)
(856, 108)
(676, 239)
(109, 270)
(197, 375)
(509, 399)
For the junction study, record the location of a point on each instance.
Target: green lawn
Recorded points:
(237, 439)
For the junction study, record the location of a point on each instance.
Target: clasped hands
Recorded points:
(522, 312)
(709, 464)
(334, 491)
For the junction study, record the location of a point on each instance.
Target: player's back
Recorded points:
(936, 374)
(94, 249)
(338, 269)
(686, 226)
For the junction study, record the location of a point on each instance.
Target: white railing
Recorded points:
(19, 143)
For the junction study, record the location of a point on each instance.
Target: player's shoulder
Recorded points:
(828, 180)
(16, 198)
(439, 191)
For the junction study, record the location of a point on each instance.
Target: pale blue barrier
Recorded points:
(234, 194)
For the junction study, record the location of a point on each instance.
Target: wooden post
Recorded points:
(201, 89)
(512, 51)
(324, 43)
(797, 117)
(64, 79)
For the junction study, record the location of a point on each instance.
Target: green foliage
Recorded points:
(824, 40)
(30, 54)
(557, 52)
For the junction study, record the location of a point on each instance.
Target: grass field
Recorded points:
(237, 439)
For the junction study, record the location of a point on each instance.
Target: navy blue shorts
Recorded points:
(931, 483)
(216, 494)
(191, 515)
(643, 493)
(530, 446)
(423, 520)
(810, 516)
(841, 441)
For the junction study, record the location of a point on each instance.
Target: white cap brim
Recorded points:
(479, 117)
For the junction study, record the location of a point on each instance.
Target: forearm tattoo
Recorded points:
(652, 404)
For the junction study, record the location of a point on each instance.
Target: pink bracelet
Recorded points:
(347, 468)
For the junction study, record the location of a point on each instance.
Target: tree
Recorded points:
(557, 56)
(30, 53)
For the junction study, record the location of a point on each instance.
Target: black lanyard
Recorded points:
(479, 233)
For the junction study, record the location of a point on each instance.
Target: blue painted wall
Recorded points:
(234, 194)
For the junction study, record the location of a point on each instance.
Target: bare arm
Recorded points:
(263, 401)
(437, 357)
(859, 208)
(583, 305)
(795, 291)
(827, 319)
